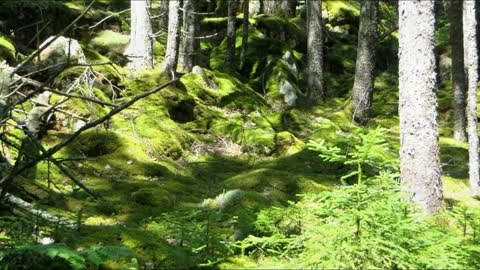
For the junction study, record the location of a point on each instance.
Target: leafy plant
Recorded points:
(366, 225)
(368, 151)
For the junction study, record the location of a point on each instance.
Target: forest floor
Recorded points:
(185, 171)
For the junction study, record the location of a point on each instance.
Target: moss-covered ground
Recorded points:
(187, 169)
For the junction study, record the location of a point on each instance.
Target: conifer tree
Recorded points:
(419, 147)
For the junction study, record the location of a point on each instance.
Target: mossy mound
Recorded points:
(108, 41)
(95, 143)
(7, 49)
(261, 180)
(153, 197)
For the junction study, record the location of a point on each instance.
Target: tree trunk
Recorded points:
(289, 8)
(362, 91)
(419, 148)
(244, 34)
(281, 8)
(458, 72)
(163, 20)
(470, 45)
(171, 54)
(190, 25)
(231, 37)
(140, 49)
(315, 49)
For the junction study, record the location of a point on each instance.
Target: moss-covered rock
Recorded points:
(7, 49)
(109, 41)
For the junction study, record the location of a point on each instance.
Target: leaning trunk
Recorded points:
(140, 49)
(419, 148)
(171, 54)
(315, 49)
(470, 44)
(362, 91)
(230, 52)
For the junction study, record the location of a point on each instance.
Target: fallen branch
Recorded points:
(106, 18)
(28, 207)
(37, 85)
(39, 50)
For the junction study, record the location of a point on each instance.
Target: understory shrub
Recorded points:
(370, 224)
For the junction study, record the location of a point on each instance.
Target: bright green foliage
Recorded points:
(363, 150)
(366, 225)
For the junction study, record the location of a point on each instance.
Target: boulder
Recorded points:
(62, 50)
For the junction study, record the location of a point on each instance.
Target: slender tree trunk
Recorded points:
(269, 7)
(140, 49)
(171, 54)
(163, 20)
(419, 148)
(231, 37)
(282, 8)
(458, 72)
(315, 49)
(190, 25)
(362, 91)
(289, 8)
(470, 45)
(245, 33)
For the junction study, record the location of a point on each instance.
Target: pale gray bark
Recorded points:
(28, 207)
(420, 169)
(140, 49)
(458, 72)
(470, 45)
(245, 33)
(231, 35)
(171, 54)
(190, 25)
(315, 49)
(282, 8)
(362, 91)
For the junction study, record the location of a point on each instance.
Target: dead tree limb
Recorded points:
(18, 168)
(28, 207)
(39, 50)
(37, 84)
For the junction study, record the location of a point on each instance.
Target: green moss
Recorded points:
(7, 49)
(109, 41)
(153, 197)
(263, 179)
(457, 189)
(215, 21)
(341, 10)
(95, 143)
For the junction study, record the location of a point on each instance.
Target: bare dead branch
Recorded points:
(37, 84)
(108, 17)
(19, 168)
(39, 50)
